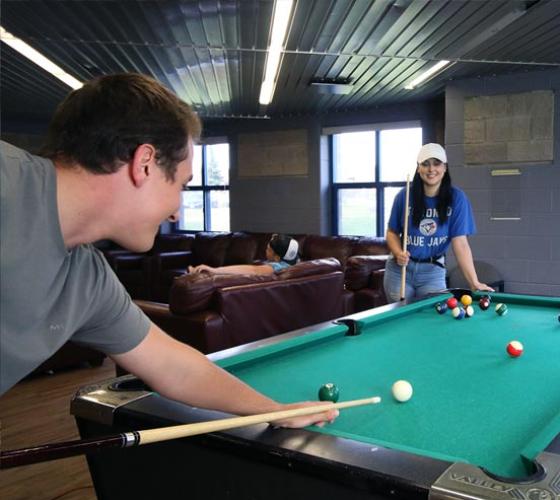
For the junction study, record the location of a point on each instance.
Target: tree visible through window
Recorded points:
(368, 170)
(205, 202)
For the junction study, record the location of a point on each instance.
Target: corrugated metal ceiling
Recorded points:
(212, 52)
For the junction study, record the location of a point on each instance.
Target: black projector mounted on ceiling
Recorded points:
(332, 85)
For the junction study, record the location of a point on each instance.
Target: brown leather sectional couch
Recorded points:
(215, 312)
(336, 276)
(362, 261)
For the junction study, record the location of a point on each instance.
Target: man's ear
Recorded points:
(142, 164)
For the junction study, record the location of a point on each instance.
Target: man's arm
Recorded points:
(179, 372)
(263, 269)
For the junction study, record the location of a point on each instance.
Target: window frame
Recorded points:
(206, 190)
(378, 185)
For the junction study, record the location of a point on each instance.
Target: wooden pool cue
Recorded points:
(405, 236)
(54, 451)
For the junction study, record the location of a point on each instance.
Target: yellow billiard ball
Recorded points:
(466, 300)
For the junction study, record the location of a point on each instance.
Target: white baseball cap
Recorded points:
(432, 150)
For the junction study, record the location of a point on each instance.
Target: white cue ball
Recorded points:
(402, 390)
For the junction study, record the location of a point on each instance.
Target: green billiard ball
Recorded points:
(501, 309)
(328, 392)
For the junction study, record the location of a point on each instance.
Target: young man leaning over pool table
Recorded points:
(117, 155)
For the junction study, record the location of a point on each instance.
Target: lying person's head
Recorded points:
(282, 247)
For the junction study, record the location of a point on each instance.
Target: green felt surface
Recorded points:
(471, 401)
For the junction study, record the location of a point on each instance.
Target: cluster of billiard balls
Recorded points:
(463, 308)
(401, 389)
(513, 348)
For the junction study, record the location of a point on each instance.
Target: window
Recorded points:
(369, 168)
(205, 202)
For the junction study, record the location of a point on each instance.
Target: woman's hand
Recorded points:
(202, 268)
(483, 287)
(402, 258)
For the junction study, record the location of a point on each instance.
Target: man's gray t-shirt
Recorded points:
(50, 294)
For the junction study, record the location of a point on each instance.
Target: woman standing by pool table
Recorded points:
(440, 215)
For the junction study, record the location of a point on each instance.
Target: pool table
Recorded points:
(480, 424)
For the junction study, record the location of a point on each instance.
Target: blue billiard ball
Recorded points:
(458, 313)
(441, 307)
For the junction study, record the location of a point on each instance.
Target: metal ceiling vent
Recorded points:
(332, 85)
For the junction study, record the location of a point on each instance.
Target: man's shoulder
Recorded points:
(10, 152)
(15, 161)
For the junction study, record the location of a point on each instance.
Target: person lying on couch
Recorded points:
(281, 252)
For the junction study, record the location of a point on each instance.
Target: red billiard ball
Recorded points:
(515, 348)
(452, 303)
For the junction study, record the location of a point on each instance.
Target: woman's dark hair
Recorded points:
(444, 198)
(280, 243)
(100, 125)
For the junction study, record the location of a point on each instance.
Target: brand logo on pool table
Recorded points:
(511, 491)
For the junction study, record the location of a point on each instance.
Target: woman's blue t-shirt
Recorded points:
(277, 266)
(431, 238)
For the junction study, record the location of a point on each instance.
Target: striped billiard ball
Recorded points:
(484, 303)
(458, 312)
(441, 307)
(514, 348)
(501, 309)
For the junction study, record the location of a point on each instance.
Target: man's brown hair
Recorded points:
(100, 125)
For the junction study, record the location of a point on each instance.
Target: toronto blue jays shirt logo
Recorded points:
(428, 227)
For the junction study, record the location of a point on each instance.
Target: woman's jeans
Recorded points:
(422, 278)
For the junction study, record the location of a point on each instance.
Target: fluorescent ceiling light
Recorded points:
(38, 58)
(424, 76)
(282, 10)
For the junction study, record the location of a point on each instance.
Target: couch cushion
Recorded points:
(367, 245)
(262, 240)
(173, 242)
(210, 248)
(242, 249)
(319, 247)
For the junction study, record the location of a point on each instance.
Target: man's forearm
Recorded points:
(179, 372)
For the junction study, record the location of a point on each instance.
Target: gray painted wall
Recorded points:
(525, 252)
(302, 204)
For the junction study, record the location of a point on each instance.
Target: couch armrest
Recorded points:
(201, 330)
(359, 269)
